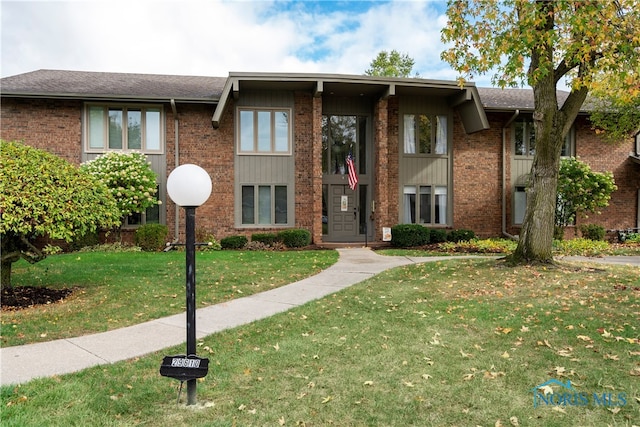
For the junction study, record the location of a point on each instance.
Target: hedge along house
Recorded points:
(276, 147)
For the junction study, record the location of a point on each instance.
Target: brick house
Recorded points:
(275, 146)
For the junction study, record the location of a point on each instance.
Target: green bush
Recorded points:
(204, 236)
(437, 235)
(633, 238)
(151, 237)
(582, 247)
(266, 238)
(87, 239)
(234, 242)
(461, 235)
(295, 238)
(592, 231)
(409, 235)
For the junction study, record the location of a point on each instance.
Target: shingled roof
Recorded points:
(98, 85)
(155, 87)
(511, 99)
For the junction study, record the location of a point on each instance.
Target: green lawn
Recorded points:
(113, 290)
(454, 343)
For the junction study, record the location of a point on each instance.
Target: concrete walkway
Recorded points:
(20, 364)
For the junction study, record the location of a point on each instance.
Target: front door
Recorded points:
(345, 213)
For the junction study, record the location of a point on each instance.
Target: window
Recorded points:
(525, 140)
(124, 128)
(425, 134)
(150, 216)
(264, 205)
(425, 204)
(519, 204)
(264, 132)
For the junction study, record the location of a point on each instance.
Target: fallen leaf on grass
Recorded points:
(514, 421)
(369, 383)
(505, 355)
(611, 357)
(327, 399)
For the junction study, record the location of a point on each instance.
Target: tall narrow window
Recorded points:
(115, 129)
(524, 138)
(519, 204)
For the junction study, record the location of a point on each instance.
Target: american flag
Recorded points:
(351, 168)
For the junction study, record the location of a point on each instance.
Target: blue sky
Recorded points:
(212, 38)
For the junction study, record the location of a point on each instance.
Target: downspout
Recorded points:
(504, 176)
(176, 162)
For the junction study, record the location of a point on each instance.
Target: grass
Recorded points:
(114, 290)
(455, 343)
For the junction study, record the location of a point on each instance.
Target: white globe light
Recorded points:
(189, 185)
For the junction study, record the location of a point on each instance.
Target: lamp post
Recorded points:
(189, 186)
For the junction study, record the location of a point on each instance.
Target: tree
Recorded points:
(391, 64)
(129, 178)
(542, 42)
(44, 195)
(580, 191)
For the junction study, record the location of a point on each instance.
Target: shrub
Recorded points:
(90, 238)
(461, 235)
(233, 242)
(633, 238)
(266, 238)
(295, 238)
(592, 231)
(151, 237)
(409, 235)
(490, 246)
(204, 236)
(582, 247)
(437, 235)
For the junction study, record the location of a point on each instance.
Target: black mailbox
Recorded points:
(184, 368)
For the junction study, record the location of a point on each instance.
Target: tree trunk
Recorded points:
(5, 273)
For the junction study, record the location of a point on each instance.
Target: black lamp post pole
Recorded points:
(190, 213)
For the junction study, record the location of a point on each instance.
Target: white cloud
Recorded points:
(212, 38)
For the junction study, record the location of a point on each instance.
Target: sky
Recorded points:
(215, 37)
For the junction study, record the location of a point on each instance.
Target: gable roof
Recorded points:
(120, 86)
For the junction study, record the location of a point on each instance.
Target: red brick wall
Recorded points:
(477, 178)
(54, 126)
(603, 156)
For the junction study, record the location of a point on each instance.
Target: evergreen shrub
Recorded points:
(409, 235)
(151, 237)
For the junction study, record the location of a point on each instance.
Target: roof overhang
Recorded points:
(465, 100)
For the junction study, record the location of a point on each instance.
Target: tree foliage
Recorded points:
(44, 195)
(129, 178)
(391, 64)
(581, 191)
(542, 43)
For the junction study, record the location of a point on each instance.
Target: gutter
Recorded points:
(176, 162)
(504, 176)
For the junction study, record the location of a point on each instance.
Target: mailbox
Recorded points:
(184, 368)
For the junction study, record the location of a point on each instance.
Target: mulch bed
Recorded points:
(18, 297)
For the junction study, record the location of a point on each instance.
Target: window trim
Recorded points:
(570, 139)
(124, 108)
(434, 192)
(433, 117)
(272, 131)
(256, 206)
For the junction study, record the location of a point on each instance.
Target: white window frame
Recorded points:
(103, 134)
(439, 138)
(243, 138)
